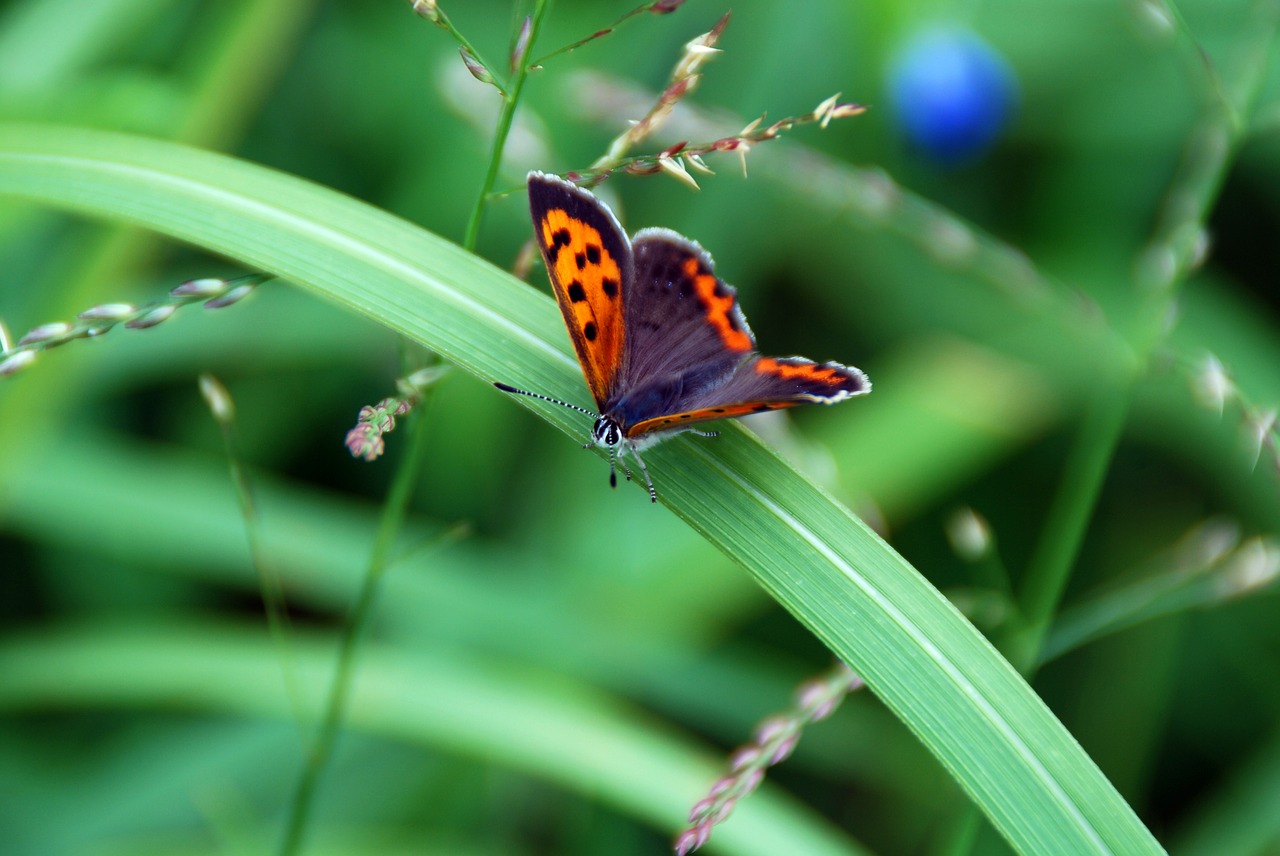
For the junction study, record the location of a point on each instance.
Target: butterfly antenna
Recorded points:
(613, 468)
(514, 391)
(653, 494)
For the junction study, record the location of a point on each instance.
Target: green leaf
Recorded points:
(916, 652)
(530, 721)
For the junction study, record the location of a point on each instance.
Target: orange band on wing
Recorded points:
(825, 374)
(730, 411)
(719, 305)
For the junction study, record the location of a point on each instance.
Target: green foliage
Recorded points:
(537, 664)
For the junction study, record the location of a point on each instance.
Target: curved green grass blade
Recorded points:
(917, 653)
(539, 724)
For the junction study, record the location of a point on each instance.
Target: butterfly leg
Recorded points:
(653, 494)
(705, 433)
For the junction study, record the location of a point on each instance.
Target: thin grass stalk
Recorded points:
(395, 509)
(1069, 516)
(510, 100)
(1165, 264)
(223, 410)
(394, 512)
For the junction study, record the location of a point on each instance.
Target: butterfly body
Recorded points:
(661, 339)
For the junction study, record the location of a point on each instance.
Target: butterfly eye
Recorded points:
(606, 432)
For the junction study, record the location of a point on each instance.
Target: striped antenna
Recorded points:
(514, 391)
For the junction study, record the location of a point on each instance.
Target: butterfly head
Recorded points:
(606, 432)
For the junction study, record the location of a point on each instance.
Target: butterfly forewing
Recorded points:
(589, 263)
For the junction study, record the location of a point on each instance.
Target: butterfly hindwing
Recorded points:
(681, 317)
(759, 384)
(589, 262)
(691, 355)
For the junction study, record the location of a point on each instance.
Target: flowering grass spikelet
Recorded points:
(1254, 565)
(200, 288)
(367, 439)
(428, 9)
(108, 312)
(221, 405)
(477, 68)
(521, 46)
(676, 170)
(232, 295)
(969, 534)
(45, 333)
(1260, 432)
(1211, 384)
(152, 317)
(773, 742)
(100, 319)
(16, 362)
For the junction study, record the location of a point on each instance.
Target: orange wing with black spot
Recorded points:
(590, 265)
(759, 384)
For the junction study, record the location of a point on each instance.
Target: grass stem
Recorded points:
(394, 512)
(510, 100)
(1073, 506)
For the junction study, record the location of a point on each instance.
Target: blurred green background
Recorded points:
(487, 719)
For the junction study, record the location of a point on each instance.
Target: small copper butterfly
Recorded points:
(661, 339)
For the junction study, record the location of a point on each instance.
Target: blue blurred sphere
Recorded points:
(951, 94)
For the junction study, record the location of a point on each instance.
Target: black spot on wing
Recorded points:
(559, 240)
(610, 287)
(590, 331)
(593, 254)
(576, 292)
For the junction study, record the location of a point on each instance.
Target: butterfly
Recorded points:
(661, 339)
